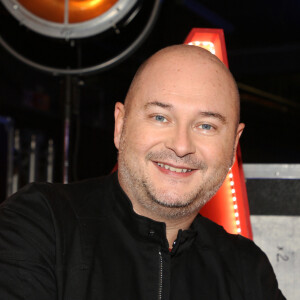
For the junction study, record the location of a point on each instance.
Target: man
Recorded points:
(137, 234)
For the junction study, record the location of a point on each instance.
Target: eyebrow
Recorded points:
(209, 114)
(213, 115)
(157, 103)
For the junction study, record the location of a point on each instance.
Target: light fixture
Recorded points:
(72, 11)
(71, 37)
(74, 38)
(206, 45)
(69, 18)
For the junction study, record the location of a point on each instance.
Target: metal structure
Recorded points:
(81, 28)
(272, 171)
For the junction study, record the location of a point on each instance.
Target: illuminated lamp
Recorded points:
(78, 10)
(69, 18)
(210, 39)
(229, 207)
(75, 37)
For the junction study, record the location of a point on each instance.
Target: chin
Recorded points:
(172, 205)
(171, 200)
(173, 211)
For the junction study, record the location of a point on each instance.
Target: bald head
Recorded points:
(190, 58)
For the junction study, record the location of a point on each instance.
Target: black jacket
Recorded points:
(83, 241)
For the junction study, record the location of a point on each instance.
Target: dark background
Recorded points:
(263, 46)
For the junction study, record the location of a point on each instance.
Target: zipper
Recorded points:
(160, 276)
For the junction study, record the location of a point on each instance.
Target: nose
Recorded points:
(181, 142)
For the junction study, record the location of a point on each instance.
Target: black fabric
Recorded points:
(83, 241)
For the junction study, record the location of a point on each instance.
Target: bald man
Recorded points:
(137, 233)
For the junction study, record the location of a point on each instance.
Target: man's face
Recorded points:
(177, 141)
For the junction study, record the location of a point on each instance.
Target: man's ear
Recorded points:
(239, 132)
(119, 121)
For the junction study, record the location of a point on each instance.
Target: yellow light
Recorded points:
(80, 5)
(79, 10)
(206, 45)
(234, 200)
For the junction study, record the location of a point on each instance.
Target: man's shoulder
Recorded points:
(58, 197)
(241, 256)
(243, 260)
(229, 244)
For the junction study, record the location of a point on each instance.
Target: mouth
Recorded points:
(173, 168)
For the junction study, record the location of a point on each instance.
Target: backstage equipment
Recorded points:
(74, 38)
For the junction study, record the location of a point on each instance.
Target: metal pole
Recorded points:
(67, 124)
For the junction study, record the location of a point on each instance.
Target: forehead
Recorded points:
(187, 82)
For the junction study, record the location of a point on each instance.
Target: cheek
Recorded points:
(215, 151)
(143, 137)
(140, 141)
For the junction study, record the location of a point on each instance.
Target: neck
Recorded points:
(172, 227)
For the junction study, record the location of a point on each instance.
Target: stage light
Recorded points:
(78, 10)
(70, 18)
(206, 45)
(211, 39)
(70, 37)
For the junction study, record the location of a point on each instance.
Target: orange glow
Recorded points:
(213, 36)
(209, 46)
(79, 10)
(229, 207)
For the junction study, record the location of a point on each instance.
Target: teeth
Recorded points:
(167, 167)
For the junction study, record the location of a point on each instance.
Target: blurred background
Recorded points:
(61, 72)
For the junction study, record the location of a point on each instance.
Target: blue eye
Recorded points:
(160, 118)
(206, 126)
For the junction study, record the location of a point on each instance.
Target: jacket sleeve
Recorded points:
(27, 247)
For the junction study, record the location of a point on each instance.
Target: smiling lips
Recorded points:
(170, 169)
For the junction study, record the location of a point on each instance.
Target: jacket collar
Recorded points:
(146, 227)
(103, 199)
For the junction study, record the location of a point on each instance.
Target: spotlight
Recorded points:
(75, 36)
(69, 18)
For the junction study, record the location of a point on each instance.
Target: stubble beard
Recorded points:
(166, 204)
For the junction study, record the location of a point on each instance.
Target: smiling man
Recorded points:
(137, 233)
(177, 134)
